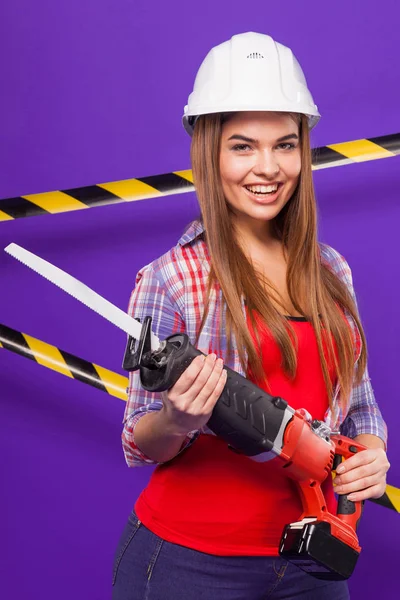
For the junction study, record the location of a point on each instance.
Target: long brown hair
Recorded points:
(327, 297)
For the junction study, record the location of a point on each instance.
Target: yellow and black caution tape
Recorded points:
(105, 380)
(63, 362)
(390, 499)
(178, 182)
(113, 192)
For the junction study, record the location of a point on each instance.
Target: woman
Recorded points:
(254, 290)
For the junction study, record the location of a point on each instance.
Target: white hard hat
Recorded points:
(250, 72)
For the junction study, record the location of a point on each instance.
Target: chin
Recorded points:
(264, 213)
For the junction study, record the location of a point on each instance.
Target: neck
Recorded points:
(251, 233)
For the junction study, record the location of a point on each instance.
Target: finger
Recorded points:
(375, 491)
(204, 388)
(212, 400)
(188, 399)
(187, 378)
(205, 374)
(359, 473)
(362, 458)
(359, 484)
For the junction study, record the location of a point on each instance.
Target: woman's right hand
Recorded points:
(188, 405)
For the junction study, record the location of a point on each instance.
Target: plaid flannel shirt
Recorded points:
(172, 290)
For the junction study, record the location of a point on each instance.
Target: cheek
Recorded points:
(293, 169)
(232, 170)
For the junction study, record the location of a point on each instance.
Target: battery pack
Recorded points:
(312, 547)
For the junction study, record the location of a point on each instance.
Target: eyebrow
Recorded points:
(243, 138)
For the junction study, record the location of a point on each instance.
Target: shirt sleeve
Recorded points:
(149, 298)
(364, 415)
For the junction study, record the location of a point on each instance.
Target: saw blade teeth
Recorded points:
(80, 292)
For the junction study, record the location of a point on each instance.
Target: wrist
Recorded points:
(169, 426)
(370, 441)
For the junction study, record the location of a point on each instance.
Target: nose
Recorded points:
(267, 165)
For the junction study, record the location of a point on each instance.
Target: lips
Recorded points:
(263, 188)
(263, 196)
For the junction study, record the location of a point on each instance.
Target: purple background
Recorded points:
(93, 92)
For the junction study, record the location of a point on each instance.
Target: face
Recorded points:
(260, 163)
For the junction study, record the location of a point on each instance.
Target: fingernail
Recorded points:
(340, 469)
(351, 497)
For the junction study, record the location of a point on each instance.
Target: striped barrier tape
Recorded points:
(67, 364)
(107, 381)
(178, 182)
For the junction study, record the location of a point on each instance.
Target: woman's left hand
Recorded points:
(363, 475)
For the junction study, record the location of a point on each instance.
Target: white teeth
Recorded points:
(262, 189)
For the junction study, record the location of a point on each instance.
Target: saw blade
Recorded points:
(80, 292)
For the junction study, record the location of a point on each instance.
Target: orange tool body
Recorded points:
(257, 424)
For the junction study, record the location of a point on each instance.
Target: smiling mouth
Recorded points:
(263, 191)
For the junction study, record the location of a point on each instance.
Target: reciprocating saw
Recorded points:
(252, 422)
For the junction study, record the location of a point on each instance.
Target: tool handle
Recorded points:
(347, 510)
(345, 506)
(245, 416)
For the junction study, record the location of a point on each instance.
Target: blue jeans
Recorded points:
(146, 567)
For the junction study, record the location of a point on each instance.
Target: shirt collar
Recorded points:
(193, 231)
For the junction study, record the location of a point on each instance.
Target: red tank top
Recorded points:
(216, 501)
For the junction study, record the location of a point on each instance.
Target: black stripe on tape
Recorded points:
(384, 501)
(92, 195)
(389, 142)
(167, 183)
(324, 155)
(20, 207)
(82, 370)
(15, 342)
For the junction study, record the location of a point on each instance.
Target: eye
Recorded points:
(287, 146)
(241, 148)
